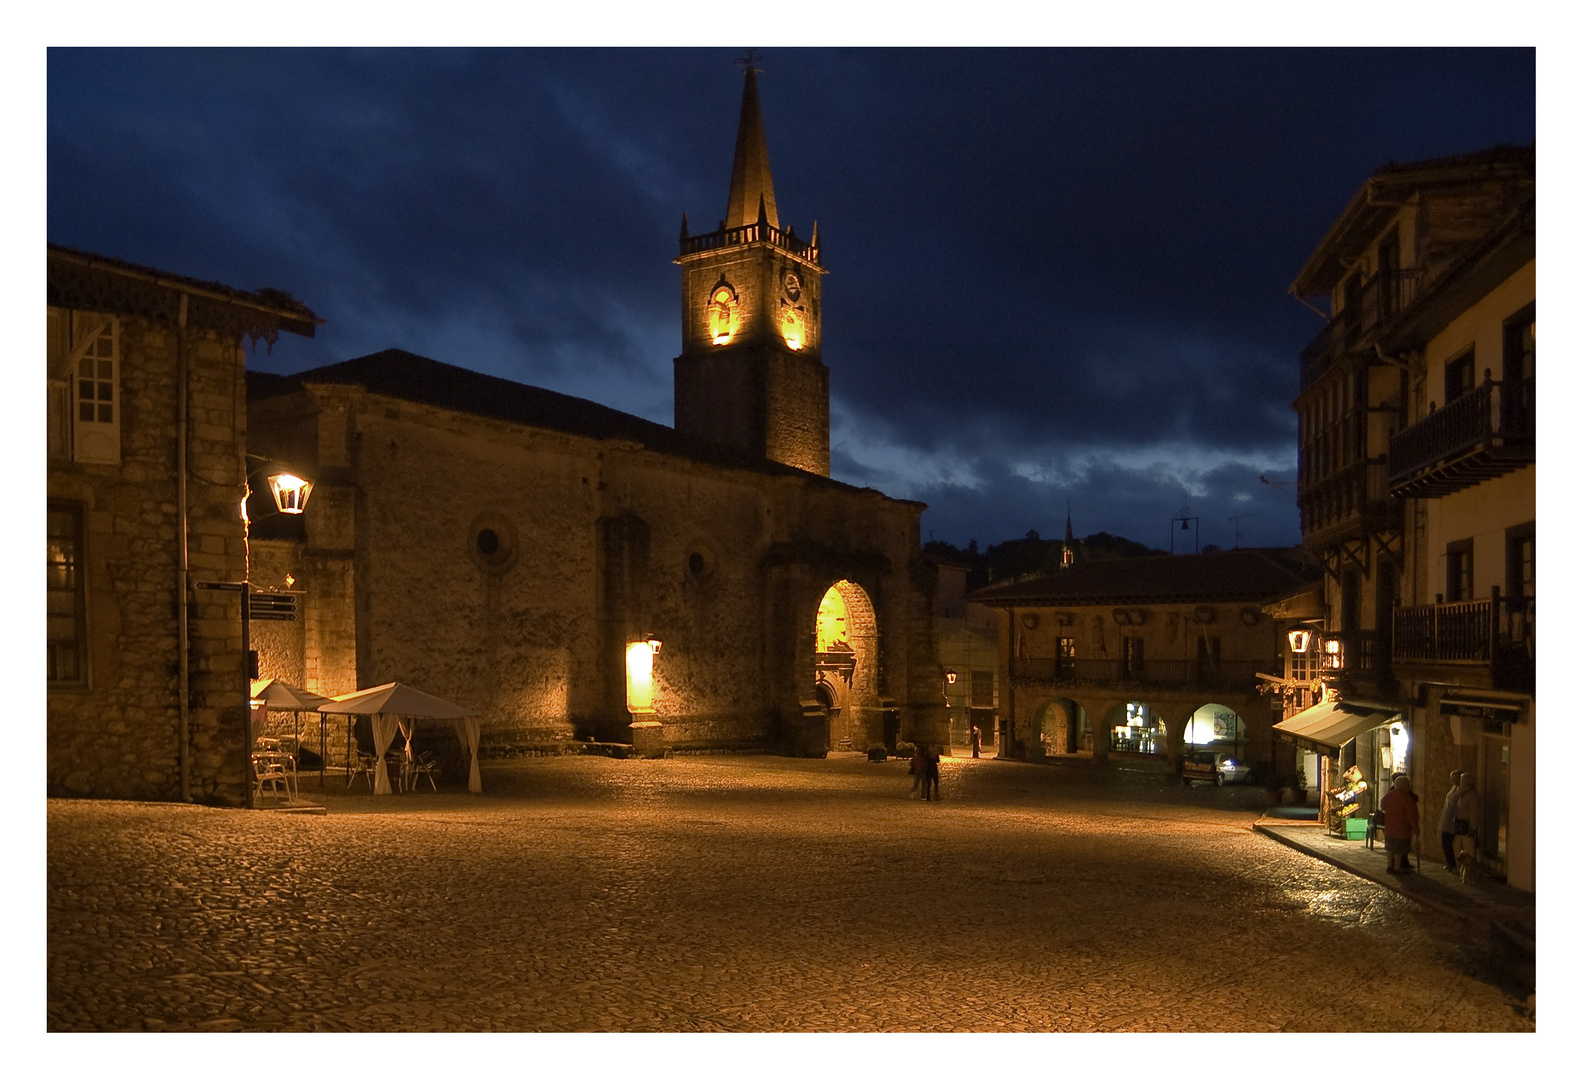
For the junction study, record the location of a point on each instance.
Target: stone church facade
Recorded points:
(518, 551)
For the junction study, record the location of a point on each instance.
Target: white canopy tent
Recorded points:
(272, 695)
(393, 707)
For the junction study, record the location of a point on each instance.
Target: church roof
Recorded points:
(751, 184)
(1242, 575)
(399, 374)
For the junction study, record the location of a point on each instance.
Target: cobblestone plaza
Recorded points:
(739, 893)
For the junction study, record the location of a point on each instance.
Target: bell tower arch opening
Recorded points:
(846, 668)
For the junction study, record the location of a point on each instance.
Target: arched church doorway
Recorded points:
(1059, 727)
(1136, 728)
(845, 668)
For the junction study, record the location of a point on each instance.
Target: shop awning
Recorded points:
(1326, 728)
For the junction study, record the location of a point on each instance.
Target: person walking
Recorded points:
(1448, 822)
(1470, 812)
(976, 739)
(1401, 823)
(916, 768)
(931, 774)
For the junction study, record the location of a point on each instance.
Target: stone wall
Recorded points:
(118, 736)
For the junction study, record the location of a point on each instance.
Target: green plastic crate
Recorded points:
(1357, 828)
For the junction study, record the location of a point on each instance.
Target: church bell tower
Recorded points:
(749, 374)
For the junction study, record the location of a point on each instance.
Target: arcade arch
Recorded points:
(1137, 728)
(1061, 726)
(1215, 727)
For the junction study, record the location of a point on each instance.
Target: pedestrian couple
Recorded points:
(1459, 819)
(925, 771)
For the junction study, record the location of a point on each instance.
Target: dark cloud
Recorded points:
(1054, 274)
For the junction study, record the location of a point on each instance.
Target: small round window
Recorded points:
(492, 543)
(700, 560)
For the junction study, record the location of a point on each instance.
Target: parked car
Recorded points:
(1217, 768)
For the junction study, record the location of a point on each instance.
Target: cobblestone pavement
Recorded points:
(738, 893)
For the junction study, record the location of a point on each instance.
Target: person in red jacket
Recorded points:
(1401, 824)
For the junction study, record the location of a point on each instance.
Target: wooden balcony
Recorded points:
(1355, 326)
(1481, 435)
(1224, 675)
(1351, 501)
(1480, 642)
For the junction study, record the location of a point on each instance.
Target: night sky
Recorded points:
(1056, 276)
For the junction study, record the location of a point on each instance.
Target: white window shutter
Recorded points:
(96, 389)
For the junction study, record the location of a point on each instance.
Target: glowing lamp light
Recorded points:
(793, 332)
(290, 492)
(950, 677)
(640, 675)
(1299, 639)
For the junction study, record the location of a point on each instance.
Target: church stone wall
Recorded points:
(602, 543)
(119, 735)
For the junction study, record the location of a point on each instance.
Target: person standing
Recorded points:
(1470, 812)
(976, 739)
(1401, 822)
(1448, 822)
(931, 774)
(916, 768)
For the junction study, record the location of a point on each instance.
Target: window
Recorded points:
(1459, 376)
(1520, 562)
(1517, 372)
(1208, 656)
(1459, 571)
(67, 664)
(1131, 657)
(1065, 655)
(84, 421)
(983, 689)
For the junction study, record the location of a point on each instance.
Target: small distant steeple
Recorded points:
(684, 225)
(1068, 556)
(752, 189)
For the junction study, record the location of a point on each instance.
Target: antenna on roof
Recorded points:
(749, 63)
(1236, 529)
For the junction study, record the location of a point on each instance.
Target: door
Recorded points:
(1495, 770)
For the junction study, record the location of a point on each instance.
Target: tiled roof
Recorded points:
(399, 374)
(1243, 575)
(292, 313)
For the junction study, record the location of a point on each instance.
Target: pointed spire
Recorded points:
(684, 225)
(751, 184)
(1068, 524)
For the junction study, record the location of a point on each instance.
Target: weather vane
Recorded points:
(748, 63)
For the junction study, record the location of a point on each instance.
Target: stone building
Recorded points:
(1149, 655)
(146, 678)
(965, 630)
(574, 572)
(1416, 479)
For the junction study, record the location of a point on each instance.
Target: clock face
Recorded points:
(793, 284)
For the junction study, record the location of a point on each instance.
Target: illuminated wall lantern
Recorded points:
(950, 677)
(640, 675)
(290, 492)
(1333, 653)
(1299, 639)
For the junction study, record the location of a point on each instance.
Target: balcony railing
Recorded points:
(758, 232)
(1482, 434)
(1349, 497)
(1221, 675)
(1465, 632)
(1375, 305)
